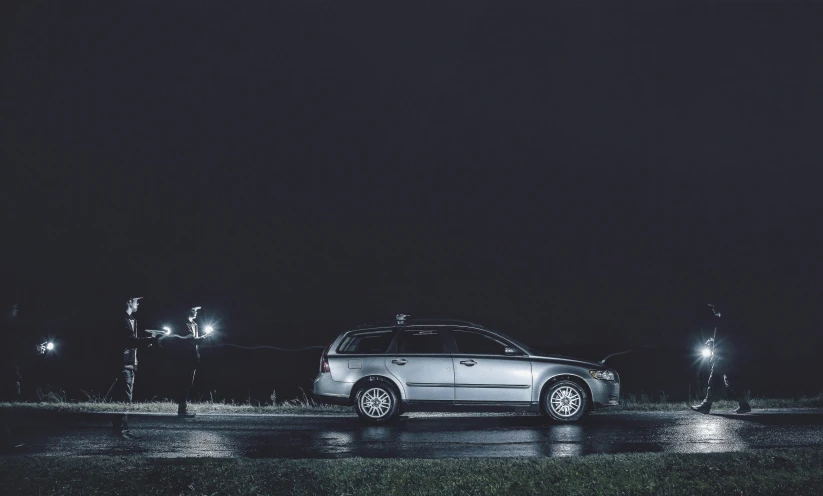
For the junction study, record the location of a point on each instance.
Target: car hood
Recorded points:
(566, 359)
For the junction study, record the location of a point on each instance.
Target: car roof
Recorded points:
(428, 321)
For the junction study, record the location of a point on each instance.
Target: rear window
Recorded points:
(366, 342)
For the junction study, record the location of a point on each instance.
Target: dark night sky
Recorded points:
(570, 173)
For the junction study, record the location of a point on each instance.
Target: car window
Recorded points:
(420, 341)
(367, 342)
(474, 343)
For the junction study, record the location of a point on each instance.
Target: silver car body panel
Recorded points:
(325, 385)
(489, 378)
(341, 370)
(423, 378)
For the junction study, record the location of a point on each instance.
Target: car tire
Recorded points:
(376, 403)
(565, 401)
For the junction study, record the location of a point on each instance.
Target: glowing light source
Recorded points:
(50, 346)
(168, 330)
(706, 352)
(209, 329)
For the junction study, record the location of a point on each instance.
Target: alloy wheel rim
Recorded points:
(375, 402)
(565, 401)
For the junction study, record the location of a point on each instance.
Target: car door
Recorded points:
(485, 373)
(419, 361)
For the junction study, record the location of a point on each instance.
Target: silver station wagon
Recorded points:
(447, 365)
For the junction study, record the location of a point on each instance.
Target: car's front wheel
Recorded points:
(565, 401)
(376, 403)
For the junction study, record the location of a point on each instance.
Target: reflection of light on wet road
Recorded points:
(375, 434)
(431, 439)
(411, 440)
(334, 442)
(566, 440)
(200, 443)
(708, 434)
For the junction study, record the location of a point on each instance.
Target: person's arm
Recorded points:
(176, 342)
(133, 342)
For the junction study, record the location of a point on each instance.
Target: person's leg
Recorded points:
(180, 389)
(179, 386)
(124, 393)
(187, 379)
(732, 384)
(118, 395)
(706, 405)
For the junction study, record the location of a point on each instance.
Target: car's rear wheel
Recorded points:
(376, 403)
(565, 401)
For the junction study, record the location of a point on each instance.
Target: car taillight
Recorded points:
(324, 359)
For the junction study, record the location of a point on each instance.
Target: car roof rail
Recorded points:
(406, 320)
(374, 324)
(448, 321)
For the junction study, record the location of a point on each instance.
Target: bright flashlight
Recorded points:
(43, 347)
(168, 331)
(706, 352)
(209, 329)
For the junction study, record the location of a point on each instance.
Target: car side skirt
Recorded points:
(469, 406)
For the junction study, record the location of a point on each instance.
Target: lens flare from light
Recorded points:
(706, 352)
(168, 330)
(209, 329)
(50, 346)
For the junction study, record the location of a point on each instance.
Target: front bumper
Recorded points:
(330, 391)
(605, 393)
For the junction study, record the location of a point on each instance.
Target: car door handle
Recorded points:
(399, 361)
(468, 363)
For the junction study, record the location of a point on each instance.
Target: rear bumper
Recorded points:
(333, 400)
(330, 391)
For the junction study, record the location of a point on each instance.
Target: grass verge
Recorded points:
(291, 407)
(795, 471)
(309, 406)
(643, 404)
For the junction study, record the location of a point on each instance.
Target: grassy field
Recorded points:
(308, 406)
(796, 472)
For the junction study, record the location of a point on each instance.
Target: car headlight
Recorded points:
(603, 375)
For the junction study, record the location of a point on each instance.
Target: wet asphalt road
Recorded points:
(420, 435)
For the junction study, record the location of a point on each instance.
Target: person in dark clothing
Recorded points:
(187, 359)
(722, 366)
(127, 345)
(11, 355)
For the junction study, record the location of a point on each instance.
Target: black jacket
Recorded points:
(193, 333)
(184, 347)
(128, 342)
